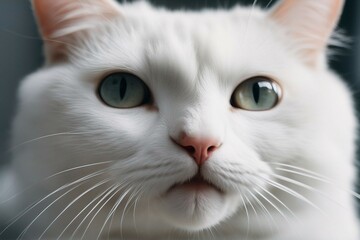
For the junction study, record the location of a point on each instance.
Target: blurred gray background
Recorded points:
(20, 51)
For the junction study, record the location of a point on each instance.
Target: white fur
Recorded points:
(192, 62)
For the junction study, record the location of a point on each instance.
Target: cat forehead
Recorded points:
(193, 24)
(181, 41)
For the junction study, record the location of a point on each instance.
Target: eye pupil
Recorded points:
(123, 86)
(256, 92)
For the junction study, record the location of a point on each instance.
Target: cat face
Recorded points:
(194, 149)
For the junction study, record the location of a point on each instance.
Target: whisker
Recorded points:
(34, 204)
(249, 19)
(123, 213)
(88, 205)
(113, 209)
(52, 176)
(45, 137)
(253, 5)
(268, 4)
(247, 216)
(294, 194)
(273, 205)
(72, 202)
(286, 207)
(111, 189)
(145, 167)
(277, 199)
(52, 203)
(212, 234)
(302, 169)
(101, 207)
(303, 185)
(79, 167)
(20, 34)
(253, 208)
(135, 205)
(265, 209)
(354, 194)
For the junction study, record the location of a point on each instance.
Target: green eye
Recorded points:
(124, 90)
(256, 94)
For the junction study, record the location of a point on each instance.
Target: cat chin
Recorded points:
(194, 209)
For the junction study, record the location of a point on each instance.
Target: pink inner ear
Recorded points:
(60, 20)
(310, 23)
(48, 14)
(323, 13)
(56, 15)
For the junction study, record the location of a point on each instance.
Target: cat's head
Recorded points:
(191, 109)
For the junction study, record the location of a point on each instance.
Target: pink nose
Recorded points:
(199, 148)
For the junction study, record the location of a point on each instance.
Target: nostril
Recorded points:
(211, 149)
(190, 149)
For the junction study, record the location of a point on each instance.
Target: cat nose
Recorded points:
(199, 149)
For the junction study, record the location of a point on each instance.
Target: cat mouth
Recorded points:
(197, 183)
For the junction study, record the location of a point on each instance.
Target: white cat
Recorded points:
(153, 124)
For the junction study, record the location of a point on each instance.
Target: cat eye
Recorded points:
(256, 94)
(124, 90)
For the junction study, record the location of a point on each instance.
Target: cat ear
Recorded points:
(60, 21)
(310, 23)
